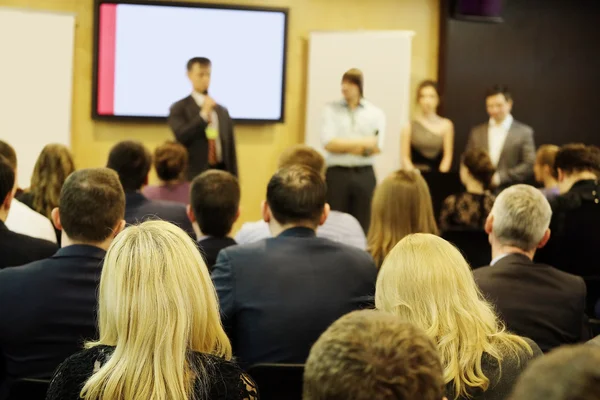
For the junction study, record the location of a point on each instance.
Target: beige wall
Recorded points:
(258, 146)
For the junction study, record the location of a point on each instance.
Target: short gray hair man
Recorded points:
(520, 219)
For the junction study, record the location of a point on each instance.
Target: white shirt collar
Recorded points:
(498, 258)
(505, 125)
(199, 98)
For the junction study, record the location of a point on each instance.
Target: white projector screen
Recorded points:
(142, 51)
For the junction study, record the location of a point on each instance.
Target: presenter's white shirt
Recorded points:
(214, 122)
(497, 136)
(22, 219)
(341, 122)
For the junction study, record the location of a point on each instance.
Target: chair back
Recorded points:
(278, 381)
(473, 244)
(28, 389)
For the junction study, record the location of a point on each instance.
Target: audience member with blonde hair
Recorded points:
(170, 163)
(544, 170)
(53, 166)
(339, 226)
(401, 206)
(373, 355)
(427, 282)
(160, 333)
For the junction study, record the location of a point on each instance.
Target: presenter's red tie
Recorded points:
(212, 152)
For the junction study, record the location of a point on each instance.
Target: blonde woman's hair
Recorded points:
(53, 166)
(426, 281)
(156, 304)
(401, 206)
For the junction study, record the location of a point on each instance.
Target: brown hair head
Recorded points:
(348, 363)
(53, 166)
(8, 152)
(401, 206)
(425, 84)
(480, 166)
(7, 178)
(575, 158)
(302, 155)
(170, 161)
(356, 77)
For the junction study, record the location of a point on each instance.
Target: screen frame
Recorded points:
(182, 4)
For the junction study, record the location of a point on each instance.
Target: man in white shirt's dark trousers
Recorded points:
(509, 142)
(352, 133)
(203, 126)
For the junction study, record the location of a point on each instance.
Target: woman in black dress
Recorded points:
(160, 331)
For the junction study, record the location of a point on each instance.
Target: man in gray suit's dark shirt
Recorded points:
(509, 142)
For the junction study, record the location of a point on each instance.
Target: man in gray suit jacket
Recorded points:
(203, 126)
(509, 143)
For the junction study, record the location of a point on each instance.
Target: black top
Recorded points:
(211, 246)
(227, 381)
(280, 294)
(47, 311)
(466, 211)
(536, 300)
(17, 249)
(502, 377)
(138, 208)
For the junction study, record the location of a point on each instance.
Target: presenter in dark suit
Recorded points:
(48, 307)
(279, 294)
(509, 142)
(203, 126)
(534, 300)
(16, 249)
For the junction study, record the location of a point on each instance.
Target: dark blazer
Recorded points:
(211, 246)
(48, 310)
(189, 129)
(536, 301)
(518, 154)
(17, 249)
(138, 208)
(279, 295)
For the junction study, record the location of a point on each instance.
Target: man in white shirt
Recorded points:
(22, 219)
(352, 133)
(509, 143)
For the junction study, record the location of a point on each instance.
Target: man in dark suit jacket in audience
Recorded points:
(279, 294)
(132, 162)
(534, 300)
(214, 207)
(16, 249)
(48, 307)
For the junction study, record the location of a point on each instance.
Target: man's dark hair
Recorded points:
(7, 151)
(131, 160)
(170, 161)
(7, 178)
(567, 373)
(215, 200)
(92, 203)
(203, 61)
(297, 194)
(356, 77)
(577, 157)
(499, 89)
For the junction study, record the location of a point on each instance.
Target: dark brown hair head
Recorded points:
(170, 161)
(480, 165)
(575, 158)
(425, 84)
(355, 76)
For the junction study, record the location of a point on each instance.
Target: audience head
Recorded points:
(52, 168)
(427, 282)
(199, 71)
(131, 160)
(353, 84)
(296, 196)
(7, 187)
(302, 155)
(498, 102)
(401, 205)
(8, 152)
(91, 207)
(214, 202)
(170, 161)
(346, 363)
(567, 373)
(544, 163)
(476, 166)
(428, 96)
(520, 219)
(156, 304)
(575, 162)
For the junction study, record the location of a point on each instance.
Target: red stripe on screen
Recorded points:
(106, 59)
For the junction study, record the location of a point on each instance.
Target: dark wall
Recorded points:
(546, 51)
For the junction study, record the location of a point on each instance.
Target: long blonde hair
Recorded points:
(156, 304)
(53, 166)
(426, 281)
(401, 206)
